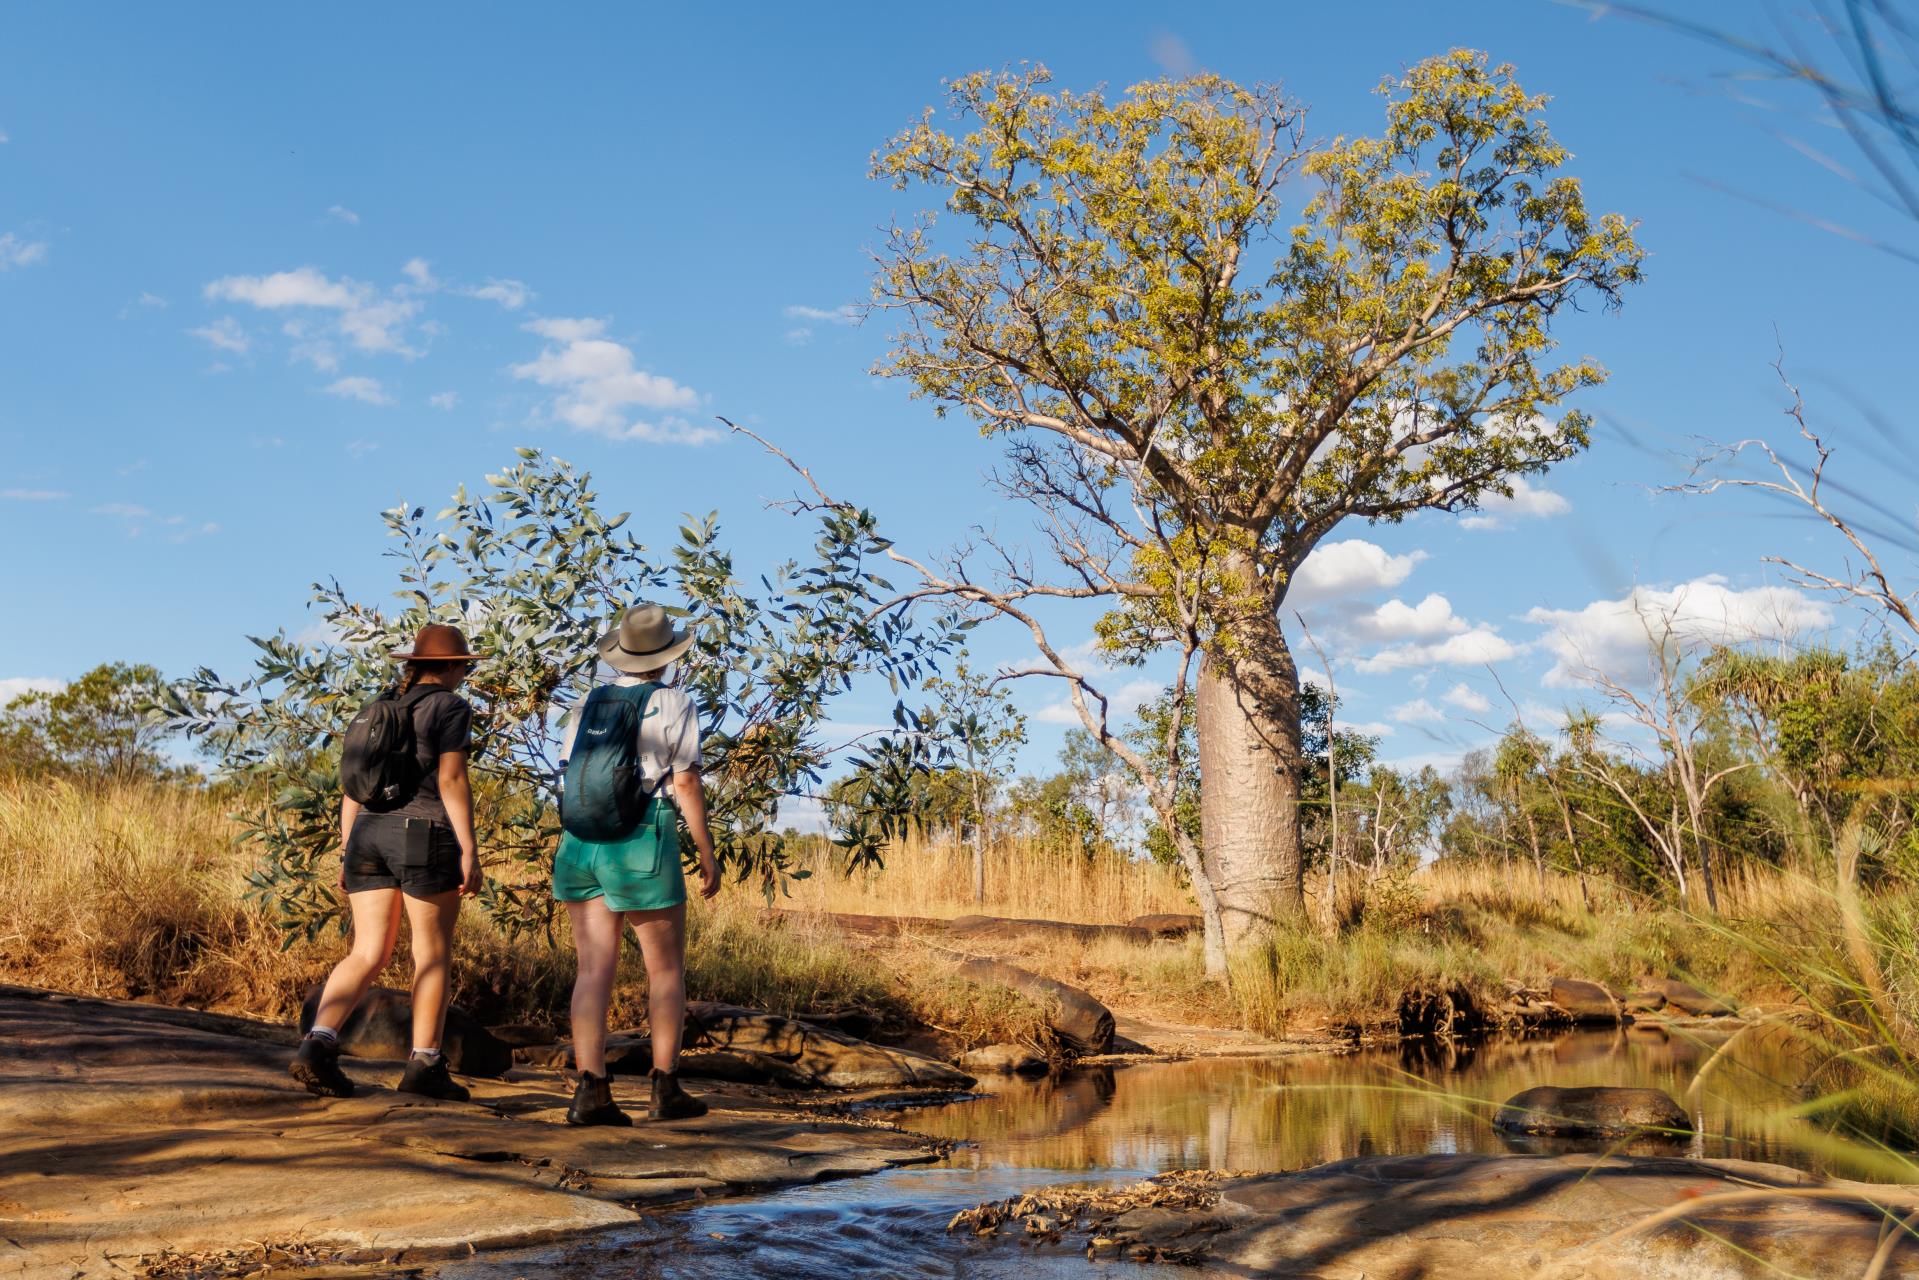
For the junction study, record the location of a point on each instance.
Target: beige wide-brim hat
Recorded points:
(643, 640)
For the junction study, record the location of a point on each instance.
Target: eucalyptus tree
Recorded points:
(535, 572)
(1197, 383)
(976, 716)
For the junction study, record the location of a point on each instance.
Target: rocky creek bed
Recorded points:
(136, 1138)
(139, 1140)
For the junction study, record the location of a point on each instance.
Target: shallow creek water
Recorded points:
(1119, 1124)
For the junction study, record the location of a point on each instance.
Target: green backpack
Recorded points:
(605, 794)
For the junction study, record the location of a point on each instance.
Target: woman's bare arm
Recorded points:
(349, 810)
(690, 793)
(456, 792)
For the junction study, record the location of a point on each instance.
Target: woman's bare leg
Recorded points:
(596, 941)
(431, 921)
(376, 926)
(662, 936)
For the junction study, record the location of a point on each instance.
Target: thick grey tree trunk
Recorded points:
(1249, 752)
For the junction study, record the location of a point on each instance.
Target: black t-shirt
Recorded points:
(442, 722)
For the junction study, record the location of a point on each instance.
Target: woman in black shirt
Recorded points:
(419, 858)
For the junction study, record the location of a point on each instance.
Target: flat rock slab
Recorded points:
(1494, 1217)
(128, 1129)
(1553, 1218)
(826, 1056)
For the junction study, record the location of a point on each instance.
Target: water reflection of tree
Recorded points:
(1267, 1114)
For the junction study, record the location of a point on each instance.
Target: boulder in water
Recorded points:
(1586, 1001)
(1003, 1060)
(1082, 1022)
(1592, 1112)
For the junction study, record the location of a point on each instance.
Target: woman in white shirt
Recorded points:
(635, 881)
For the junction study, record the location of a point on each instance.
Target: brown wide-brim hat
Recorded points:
(643, 640)
(437, 642)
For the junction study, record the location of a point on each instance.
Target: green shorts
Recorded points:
(638, 873)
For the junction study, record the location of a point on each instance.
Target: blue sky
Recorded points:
(264, 272)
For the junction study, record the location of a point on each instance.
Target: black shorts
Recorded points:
(380, 855)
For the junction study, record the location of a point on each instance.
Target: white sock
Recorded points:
(428, 1056)
(327, 1034)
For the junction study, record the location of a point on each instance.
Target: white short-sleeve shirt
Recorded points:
(669, 733)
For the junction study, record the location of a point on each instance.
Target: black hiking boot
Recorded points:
(670, 1102)
(317, 1066)
(593, 1102)
(430, 1079)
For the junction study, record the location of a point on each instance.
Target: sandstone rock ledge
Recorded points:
(128, 1131)
(1468, 1217)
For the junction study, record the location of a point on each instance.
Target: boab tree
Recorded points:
(1196, 386)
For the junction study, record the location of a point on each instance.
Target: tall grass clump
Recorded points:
(1849, 959)
(133, 889)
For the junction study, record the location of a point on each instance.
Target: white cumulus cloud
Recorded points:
(510, 294)
(444, 399)
(364, 389)
(344, 214)
(1528, 501)
(1120, 703)
(224, 334)
(365, 317)
(1466, 698)
(15, 252)
(1616, 636)
(12, 687)
(1476, 647)
(1430, 619)
(1349, 568)
(1418, 711)
(845, 314)
(599, 387)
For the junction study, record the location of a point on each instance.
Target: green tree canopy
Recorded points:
(106, 726)
(535, 573)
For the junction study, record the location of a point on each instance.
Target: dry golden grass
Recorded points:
(1022, 880)
(135, 891)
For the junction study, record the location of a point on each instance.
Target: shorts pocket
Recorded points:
(416, 844)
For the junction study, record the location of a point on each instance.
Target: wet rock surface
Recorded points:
(131, 1132)
(1591, 1112)
(1574, 1217)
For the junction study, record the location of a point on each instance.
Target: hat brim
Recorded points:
(634, 664)
(407, 655)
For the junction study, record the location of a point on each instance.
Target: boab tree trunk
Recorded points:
(1249, 748)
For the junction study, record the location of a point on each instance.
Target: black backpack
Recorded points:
(378, 764)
